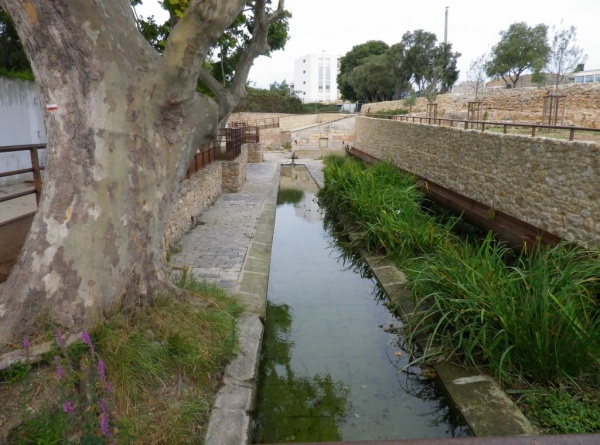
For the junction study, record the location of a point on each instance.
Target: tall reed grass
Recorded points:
(534, 318)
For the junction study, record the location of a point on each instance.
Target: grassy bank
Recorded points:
(529, 319)
(147, 376)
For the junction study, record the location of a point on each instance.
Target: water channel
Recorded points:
(332, 367)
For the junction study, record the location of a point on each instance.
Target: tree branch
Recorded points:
(192, 37)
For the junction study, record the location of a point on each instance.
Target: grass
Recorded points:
(530, 319)
(164, 361)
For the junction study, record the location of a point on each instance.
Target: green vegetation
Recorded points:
(144, 376)
(529, 318)
(560, 412)
(277, 99)
(521, 48)
(375, 72)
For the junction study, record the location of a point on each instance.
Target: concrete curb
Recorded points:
(230, 418)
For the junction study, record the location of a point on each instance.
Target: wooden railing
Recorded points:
(36, 169)
(483, 125)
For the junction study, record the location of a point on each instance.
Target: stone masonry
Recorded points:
(517, 105)
(205, 187)
(275, 138)
(551, 184)
(323, 139)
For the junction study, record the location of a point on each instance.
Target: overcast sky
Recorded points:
(335, 26)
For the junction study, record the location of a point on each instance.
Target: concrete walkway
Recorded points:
(231, 247)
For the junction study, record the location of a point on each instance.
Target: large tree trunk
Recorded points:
(126, 126)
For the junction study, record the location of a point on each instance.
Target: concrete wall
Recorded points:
(21, 123)
(323, 139)
(517, 105)
(548, 183)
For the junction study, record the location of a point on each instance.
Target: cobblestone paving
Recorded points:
(215, 250)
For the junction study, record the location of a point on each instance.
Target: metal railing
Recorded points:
(272, 122)
(483, 125)
(36, 169)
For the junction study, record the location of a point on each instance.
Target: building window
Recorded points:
(304, 82)
(589, 78)
(597, 77)
(303, 72)
(579, 79)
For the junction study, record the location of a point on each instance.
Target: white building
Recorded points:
(315, 78)
(589, 76)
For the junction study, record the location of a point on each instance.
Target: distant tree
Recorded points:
(283, 88)
(277, 99)
(430, 66)
(565, 56)
(521, 48)
(476, 74)
(353, 58)
(373, 80)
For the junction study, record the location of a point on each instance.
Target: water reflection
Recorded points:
(333, 367)
(306, 408)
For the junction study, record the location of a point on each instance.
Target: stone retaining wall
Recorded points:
(518, 105)
(275, 138)
(548, 183)
(323, 139)
(204, 188)
(195, 195)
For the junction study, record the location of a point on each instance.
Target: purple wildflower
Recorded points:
(104, 424)
(59, 339)
(26, 343)
(103, 405)
(87, 340)
(68, 407)
(60, 372)
(109, 388)
(101, 370)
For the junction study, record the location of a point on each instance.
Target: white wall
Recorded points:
(21, 123)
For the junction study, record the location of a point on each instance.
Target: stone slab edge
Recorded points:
(230, 417)
(485, 407)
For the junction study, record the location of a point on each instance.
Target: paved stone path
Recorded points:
(215, 250)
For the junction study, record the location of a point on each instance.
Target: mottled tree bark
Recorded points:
(127, 124)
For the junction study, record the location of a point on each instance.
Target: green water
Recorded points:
(331, 366)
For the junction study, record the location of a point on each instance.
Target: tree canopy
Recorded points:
(418, 63)
(354, 58)
(521, 48)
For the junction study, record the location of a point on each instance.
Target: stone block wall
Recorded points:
(551, 184)
(195, 196)
(234, 172)
(322, 139)
(275, 138)
(255, 152)
(204, 188)
(582, 106)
